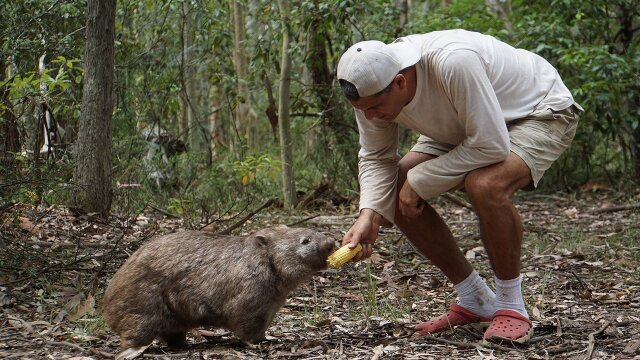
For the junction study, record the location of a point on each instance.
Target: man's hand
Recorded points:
(410, 203)
(364, 231)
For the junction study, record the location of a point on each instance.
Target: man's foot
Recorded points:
(510, 326)
(457, 316)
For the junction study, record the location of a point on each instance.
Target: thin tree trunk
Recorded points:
(332, 107)
(215, 119)
(246, 118)
(503, 9)
(403, 11)
(288, 182)
(195, 128)
(92, 173)
(403, 15)
(9, 127)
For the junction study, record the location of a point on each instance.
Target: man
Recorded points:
(492, 119)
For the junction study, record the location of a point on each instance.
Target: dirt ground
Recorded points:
(580, 266)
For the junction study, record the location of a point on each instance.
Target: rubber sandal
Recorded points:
(457, 316)
(510, 326)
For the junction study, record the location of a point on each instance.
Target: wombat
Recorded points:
(193, 279)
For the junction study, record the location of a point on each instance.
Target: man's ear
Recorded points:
(400, 80)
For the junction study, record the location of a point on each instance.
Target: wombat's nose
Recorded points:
(328, 245)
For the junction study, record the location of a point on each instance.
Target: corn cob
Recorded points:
(342, 255)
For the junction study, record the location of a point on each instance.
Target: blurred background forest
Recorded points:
(216, 102)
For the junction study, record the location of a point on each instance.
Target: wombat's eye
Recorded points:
(304, 241)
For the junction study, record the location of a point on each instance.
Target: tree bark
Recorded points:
(288, 181)
(9, 127)
(196, 135)
(330, 101)
(92, 173)
(246, 118)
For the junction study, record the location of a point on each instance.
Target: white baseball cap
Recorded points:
(371, 65)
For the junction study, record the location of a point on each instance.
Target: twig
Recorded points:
(579, 280)
(65, 343)
(592, 340)
(616, 208)
(467, 345)
(457, 200)
(163, 212)
(48, 244)
(102, 353)
(249, 216)
(176, 355)
(559, 349)
(303, 220)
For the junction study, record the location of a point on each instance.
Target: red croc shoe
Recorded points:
(456, 316)
(510, 326)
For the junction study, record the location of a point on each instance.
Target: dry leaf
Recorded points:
(131, 353)
(86, 307)
(70, 306)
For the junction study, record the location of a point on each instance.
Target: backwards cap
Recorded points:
(371, 65)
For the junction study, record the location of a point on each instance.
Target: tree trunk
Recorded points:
(403, 15)
(403, 11)
(288, 182)
(246, 118)
(216, 133)
(9, 127)
(332, 107)
(92, 173)
(502, 8)
(196, 135)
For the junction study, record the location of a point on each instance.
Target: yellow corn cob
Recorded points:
(342, 255)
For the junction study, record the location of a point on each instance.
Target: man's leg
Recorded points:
(490, 190)
(433, 238)
(429, 233)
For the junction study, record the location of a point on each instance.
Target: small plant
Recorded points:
(369, 294)
(253, 168)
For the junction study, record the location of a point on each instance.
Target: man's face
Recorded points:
(385, 106)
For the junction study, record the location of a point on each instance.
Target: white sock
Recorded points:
(475, 295)
(509, 295)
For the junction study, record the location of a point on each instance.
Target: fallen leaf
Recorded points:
(131, 353)
(85, 307)
(632, 346)
(71, 304)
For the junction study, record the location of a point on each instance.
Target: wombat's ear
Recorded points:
(262, 240)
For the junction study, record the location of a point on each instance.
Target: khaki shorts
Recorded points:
(538, 139)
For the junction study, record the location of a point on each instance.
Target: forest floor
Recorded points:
(580, 264)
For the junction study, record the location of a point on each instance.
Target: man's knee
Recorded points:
(410, 160)
(483, 186)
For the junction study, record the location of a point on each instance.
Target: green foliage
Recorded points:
(589, 42)
(585, 41)
(471, 15)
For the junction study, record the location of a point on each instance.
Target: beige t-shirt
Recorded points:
(469, 87)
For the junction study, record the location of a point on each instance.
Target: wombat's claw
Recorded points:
(131, 353)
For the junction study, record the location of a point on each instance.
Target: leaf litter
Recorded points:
(581, 256)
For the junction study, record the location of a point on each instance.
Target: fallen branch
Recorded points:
(303, 220)
(592, 340)
(616, 208)
(163, 212)
(467, 345)
(457, 200)
(228, 230)
(64, 343)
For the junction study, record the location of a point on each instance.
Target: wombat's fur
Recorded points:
(192, 278)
